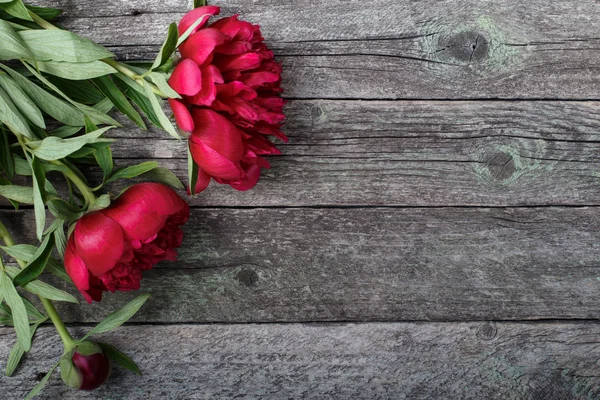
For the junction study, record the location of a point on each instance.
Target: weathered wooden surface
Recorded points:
(413, 153)
(550, 361)
(482, 207)
(372, 264)
(391, 49)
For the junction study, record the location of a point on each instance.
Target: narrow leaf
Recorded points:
(121, 359)
(37, 264)
(165, 123)
(168, 47)
(110, 90)
(38, 388)
(43, 289)
(164, 175)
(7, 162)
(76, 71)
(12, 118)
(120, 316)
(160, 81)
(56, 108)
(17, 352)
(23, 103)
(22, 194)
(11, 45)
(54, 148)
(39, 179)
(61, 45)
(16, 8)
(19, 313)
(199, 3)
(132, 171)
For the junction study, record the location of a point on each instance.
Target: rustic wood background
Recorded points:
(430, 232)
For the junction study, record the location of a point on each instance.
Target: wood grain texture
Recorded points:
(412, 153)
(371, 264)
(553, 361)
(391, 50)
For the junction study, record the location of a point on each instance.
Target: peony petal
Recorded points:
(260, 78)
(200, 45)
(150, 198)
(202, 182)
(77, 270)
(137, 226)
(217, 133)
(183, 117)
(234, 28)
(208, 93)
(214, 163)
(192, 16)
(99, 242)
(186, 78)
(240, 62)
(249, 181)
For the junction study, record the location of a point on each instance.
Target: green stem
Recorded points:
(41, 21)
(85, 190)
(64, 334)
(122, 68)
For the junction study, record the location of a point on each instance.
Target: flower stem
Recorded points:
(41, 21)
(122, 68)
(64, 334)
(86, 191)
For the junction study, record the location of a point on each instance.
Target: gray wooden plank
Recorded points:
(392, 49)
(370, 264)
(550, 361)
(412, 153)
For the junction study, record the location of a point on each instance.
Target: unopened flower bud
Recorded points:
(85, 367)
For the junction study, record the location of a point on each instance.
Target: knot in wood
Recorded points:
(318, 114)
(501, 165)
(247, 277)
(469, 46)
(487, 331)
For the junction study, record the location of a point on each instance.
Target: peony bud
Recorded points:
(86, 367)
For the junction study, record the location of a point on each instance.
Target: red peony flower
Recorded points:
(109, 249)
(230, 89)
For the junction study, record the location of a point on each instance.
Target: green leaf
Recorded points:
(25, 252)
(39, 194)
(56, 108)
(60, 45)
(101, 203)
(97, 117)
(46, 13)
(160, 80)
(43, 289)
(80, 91)
(17, 307)
(32, 311)
(7, 162)
(65, 131)
(189, 31)
(119, 317)
(62, 210)
(16, 8)
(22, 194)
(110, 90)
(11, 45)
(55, 148)
(132, 171)
(168, 47)
(164, 175)
(11, 117)
(144, 104)
(165, 123)
(22, 102)
(121, 359)
(38, 388)
(192, 172)
(76, 71)
(199, 3)
(105, 161)
(17, 352)
(59, 237)
(37, 264)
